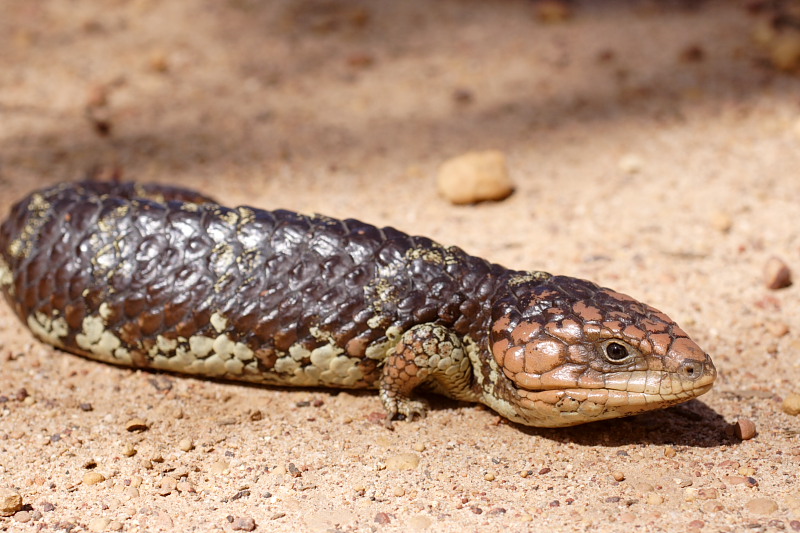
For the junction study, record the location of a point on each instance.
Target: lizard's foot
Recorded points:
(426, 354)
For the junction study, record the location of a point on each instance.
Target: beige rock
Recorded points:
(631, 163)
(721, 221)
(475, 177)
(654, 498)
(93, 478)
(135, 424)
(761, 506)
(99, 524)
(419, 522)
(10, 502)
(791, 404)
(402, 461)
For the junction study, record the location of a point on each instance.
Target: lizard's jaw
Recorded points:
(622, 394)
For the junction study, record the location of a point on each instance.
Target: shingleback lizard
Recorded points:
(165, 278)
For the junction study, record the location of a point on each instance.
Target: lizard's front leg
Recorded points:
(427, 355)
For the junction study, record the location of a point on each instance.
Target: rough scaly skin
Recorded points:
(158, 277)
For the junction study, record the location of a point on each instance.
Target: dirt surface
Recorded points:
(652, 149)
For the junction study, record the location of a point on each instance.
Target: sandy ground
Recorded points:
(653, 150)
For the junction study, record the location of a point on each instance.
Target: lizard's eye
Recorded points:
(616, 352)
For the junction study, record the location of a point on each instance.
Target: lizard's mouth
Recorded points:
(624, 394)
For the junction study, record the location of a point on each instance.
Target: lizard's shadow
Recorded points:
(692, 424)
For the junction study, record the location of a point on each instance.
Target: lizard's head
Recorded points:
(571, 352)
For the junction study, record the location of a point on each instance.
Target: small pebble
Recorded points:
(93, 478)
(631, 164)
(746, 470)
(697, 524)
(618, 476)
(419, 447)
(99, 524)
(382, 518)
(761, 506)
(10, 502)
(744, 429)
(670, 452)
(708, 494)
(399, 491)
(23, 516)
(168, 483)
(654, 498)
(419, 522)
(157, 456)
(158, 62)
(244, 524)
(402, 461)
(791, 404)
(777, 274)
(293, 470)
(128, 450)
(777, 329)
(186, 445)
(712, 506)
(475, 177)
(489, 476)
(221, 466)
(721, 222)
(136, 424)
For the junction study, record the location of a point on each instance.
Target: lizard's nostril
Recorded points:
(692, 369)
